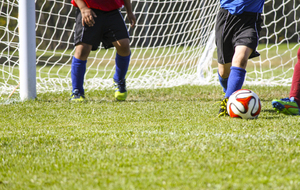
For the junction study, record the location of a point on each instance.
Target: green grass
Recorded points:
(157, 139)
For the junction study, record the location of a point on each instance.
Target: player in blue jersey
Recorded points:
(237, 34)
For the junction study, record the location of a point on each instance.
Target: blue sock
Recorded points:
(223, 82)
(122, 64)
(78, 68)
(235, 80)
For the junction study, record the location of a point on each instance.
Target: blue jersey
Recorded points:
(236, 7)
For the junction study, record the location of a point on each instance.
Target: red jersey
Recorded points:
(103, 5)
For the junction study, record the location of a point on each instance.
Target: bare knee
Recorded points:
(122, 47)
(240, 62)
(241, 56)
(82, 51)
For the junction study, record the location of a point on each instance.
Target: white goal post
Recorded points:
(27, 46)
(172, 44)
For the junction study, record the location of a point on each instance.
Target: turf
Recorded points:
(157, 139)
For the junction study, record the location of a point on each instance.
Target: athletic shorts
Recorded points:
(233, 30)
(109, 27)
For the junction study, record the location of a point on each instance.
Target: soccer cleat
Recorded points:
(76, 96)
(286, 106)
(120, 90)
(223, 108)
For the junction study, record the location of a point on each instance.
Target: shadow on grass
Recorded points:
(268, 111)
(274, 115)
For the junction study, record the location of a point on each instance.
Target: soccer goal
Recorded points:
(172, 44)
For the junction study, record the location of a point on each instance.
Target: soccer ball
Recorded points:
(244, 104)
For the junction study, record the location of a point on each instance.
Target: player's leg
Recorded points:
(225, 51)
(238, 69)
(223, 74)
(116, 34)
(78, 68)
(295, 88)
(245, 29)
(85, 39)
(122, 58)
(122, 61)
(235, 74)
(290, 106)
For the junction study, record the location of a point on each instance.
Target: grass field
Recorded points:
(157, 139)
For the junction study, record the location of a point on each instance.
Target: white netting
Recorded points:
(278, 45)
(171, 45)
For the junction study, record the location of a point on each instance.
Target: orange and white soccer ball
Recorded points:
(244, 104)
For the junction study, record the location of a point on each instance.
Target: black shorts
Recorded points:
(109, 27)
(233, 30)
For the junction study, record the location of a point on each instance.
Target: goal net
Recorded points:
(172, 44)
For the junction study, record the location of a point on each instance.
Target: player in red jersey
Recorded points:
(290, 105)
(101, 21)
(104, 5)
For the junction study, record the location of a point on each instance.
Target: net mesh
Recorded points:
(172, 44)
